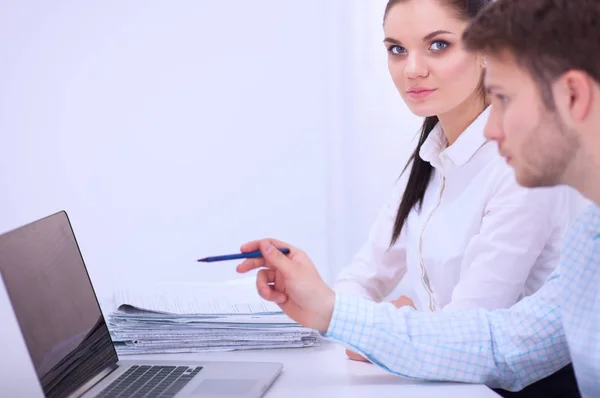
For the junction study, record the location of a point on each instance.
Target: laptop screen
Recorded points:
(55, 305)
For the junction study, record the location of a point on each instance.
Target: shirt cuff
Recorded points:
(358, 324)
(352, 319)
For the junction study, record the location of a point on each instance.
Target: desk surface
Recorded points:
(324, 371)
(314, 372)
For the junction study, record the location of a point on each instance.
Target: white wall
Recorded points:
(170, 130)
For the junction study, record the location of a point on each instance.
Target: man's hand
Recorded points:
(399, 302)
(292, 282)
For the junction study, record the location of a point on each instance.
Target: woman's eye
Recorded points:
(396, 50)
(439, 45)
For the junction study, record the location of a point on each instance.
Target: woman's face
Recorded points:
(428, 65)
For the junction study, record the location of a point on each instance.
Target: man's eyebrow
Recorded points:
(490, 88)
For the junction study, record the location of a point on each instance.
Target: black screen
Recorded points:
(55, 305)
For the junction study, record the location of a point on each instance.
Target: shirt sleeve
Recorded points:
(521, 229)
(508, 348)
(377, 268)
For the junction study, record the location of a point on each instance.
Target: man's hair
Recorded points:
(546, 37)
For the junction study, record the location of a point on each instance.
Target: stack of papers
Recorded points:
(178, 318)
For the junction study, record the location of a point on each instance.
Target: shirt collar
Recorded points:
(463, 149)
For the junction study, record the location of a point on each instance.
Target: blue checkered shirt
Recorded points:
(508, 348)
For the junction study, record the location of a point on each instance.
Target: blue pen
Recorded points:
(239, 256)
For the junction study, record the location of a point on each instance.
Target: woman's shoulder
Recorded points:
(500, 186)
(554, 205)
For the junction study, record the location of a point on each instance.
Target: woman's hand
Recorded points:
(403, 301)
(399, 302)
(292, 282)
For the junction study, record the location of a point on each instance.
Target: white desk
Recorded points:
(314, 372)
(324, 371)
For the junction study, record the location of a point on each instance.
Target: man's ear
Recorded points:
(573, 94)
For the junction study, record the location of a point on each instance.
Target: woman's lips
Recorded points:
(420, 92)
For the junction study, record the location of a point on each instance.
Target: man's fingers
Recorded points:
(271, 256)
(281, 244)
(250, 246)
(255, 245)
(264, 279)
(250, 264)
(274, 258)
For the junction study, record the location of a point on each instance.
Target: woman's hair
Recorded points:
(421, 171)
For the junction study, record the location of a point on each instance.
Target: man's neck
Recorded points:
(585, 176)
(587, 180)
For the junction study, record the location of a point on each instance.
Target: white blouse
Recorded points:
(480, 240)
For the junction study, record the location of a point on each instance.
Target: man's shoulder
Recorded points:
(586, 225)
(580, 254)
(581, 283)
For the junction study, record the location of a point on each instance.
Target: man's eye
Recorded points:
(502, 98)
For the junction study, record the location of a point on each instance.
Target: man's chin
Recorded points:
(526, 182)
(530, 181)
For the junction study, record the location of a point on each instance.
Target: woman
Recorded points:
(458, 229)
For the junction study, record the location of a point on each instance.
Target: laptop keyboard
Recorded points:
(150, 382)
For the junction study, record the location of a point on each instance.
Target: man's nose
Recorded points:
(493, 130)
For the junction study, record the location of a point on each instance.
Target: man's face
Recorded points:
(530, 136)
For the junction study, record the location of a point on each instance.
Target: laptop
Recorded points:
(68, 339)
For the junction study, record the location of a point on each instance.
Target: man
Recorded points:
(543, 78)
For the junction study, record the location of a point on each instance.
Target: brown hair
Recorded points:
(546, 37)
(421, 171)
